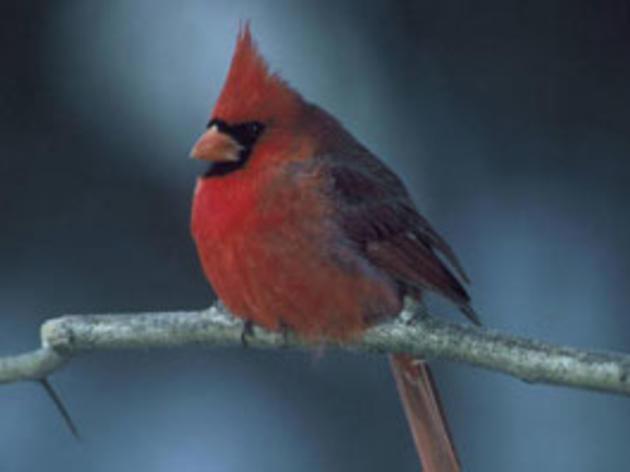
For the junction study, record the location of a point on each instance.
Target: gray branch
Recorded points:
(422, 336)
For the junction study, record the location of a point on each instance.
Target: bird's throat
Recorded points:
(221, 169)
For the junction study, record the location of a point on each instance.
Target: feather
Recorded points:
(425, 414)
(312, 232)
(251, 92)
(377, 214)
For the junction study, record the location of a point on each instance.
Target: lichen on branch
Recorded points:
(424, 336)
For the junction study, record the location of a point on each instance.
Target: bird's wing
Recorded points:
(377, 214)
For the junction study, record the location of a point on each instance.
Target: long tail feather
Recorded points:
(425, 415)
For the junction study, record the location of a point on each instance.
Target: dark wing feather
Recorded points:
(377, 214)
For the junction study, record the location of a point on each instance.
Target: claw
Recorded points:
(248, 330)
(285, 329)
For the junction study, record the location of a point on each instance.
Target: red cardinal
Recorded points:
(299, 226)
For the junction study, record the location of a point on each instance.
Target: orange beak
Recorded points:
(215, 146)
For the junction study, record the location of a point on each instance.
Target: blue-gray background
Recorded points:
(509, 122)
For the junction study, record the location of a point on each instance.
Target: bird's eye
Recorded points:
(247, 133)
(253, 129)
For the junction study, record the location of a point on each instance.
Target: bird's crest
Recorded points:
(251, 91)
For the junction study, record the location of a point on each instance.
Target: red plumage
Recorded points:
(300, 226)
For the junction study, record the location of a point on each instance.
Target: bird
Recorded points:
(299, 227)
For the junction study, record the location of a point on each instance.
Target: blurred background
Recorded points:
(509, 122)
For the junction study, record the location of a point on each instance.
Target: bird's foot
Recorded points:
(414, 310)
(248, 331)
(285, 330)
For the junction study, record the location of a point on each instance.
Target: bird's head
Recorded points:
(255, 105)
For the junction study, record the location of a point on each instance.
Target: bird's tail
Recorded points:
(425, 415)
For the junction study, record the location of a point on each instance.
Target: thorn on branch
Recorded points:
(61, 408)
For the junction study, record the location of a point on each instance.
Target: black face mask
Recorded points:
(246, 134)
